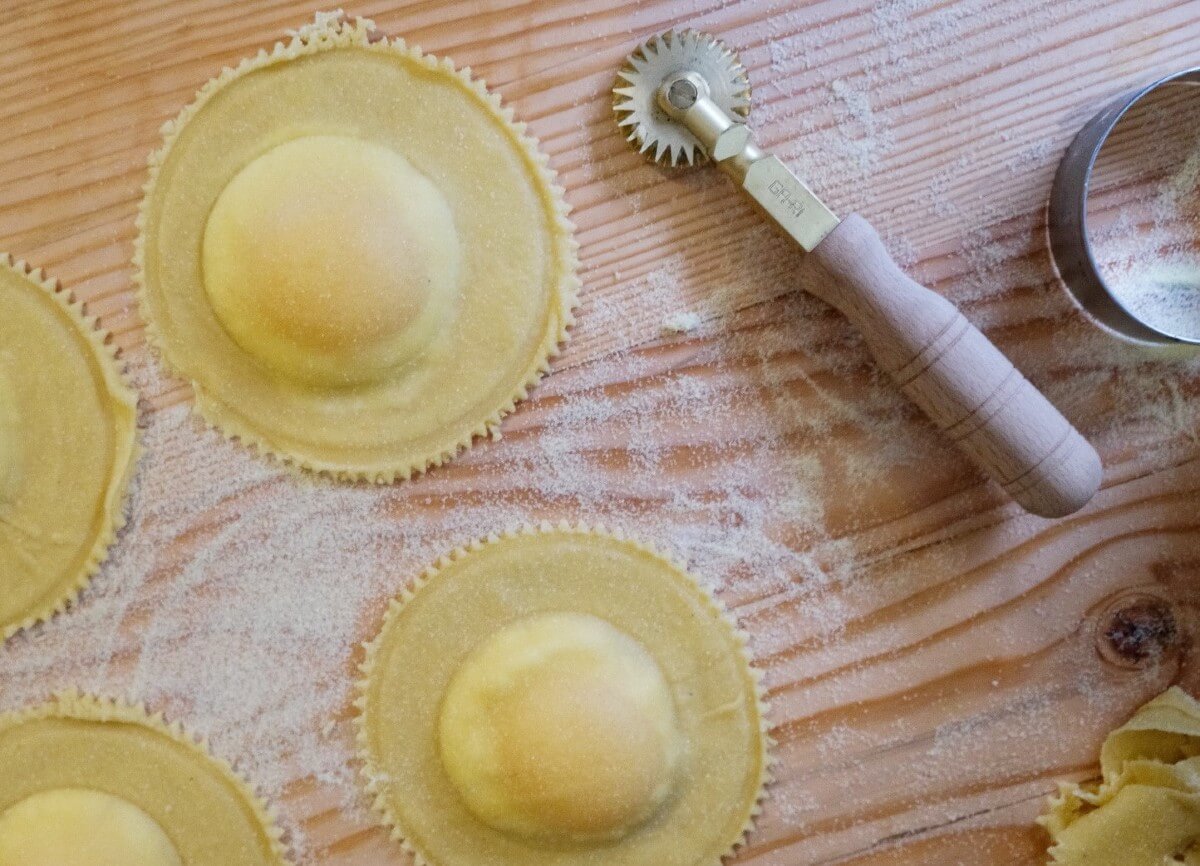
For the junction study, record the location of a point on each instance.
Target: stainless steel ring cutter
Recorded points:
(1067, 223)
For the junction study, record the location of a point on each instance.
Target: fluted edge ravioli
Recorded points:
(74, 705)
(375, 779)
(331, 31)
(126, 452)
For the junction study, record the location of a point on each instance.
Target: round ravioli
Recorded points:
(68, 426)
(356, 256)
(89, 782)
(567, 697)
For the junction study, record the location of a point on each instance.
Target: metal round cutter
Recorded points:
(697, 65)
(1067, 225)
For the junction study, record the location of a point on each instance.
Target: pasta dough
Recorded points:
(354, 254)
(89, 782)
(300, 279)
(562, 697)
(10, 452)
(1145, 811)
(81, 827)
(68, 424)
(560, 727)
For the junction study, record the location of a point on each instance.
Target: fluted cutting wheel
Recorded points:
(635, 101)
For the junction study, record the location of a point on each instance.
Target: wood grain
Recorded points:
(962, 382)
(971, 659)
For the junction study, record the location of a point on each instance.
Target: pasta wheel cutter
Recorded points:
(683, 98)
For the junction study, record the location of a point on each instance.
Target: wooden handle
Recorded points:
(958, 378)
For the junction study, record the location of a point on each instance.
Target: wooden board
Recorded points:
(935, 658)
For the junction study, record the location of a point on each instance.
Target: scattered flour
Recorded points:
(680, 323)
(239, 594)
(237, 597)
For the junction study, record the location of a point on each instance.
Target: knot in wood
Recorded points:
(1137, 630)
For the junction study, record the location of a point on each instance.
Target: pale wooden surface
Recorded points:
(949, 369)
(963, 675)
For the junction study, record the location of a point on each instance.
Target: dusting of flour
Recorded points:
(712, 410)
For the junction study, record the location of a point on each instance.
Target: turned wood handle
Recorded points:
(959, 379)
